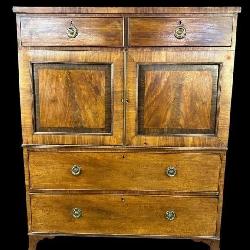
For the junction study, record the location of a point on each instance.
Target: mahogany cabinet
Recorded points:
(125, 119)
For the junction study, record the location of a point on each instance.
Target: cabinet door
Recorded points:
(178, 98)
(71, 97)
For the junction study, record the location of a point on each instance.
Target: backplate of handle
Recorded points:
(180, 32)
(76, 213)
(170, 215)
(76, 170)
(171, 171)
(72, 31)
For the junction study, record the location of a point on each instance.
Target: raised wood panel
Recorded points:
(207, 96)
(124, 215)
(177, 99)
(73, 98)
(139, 171)
(52, 31)
(213, 31)
(63, 109)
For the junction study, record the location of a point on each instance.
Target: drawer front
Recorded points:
(215, 31)
(124, 171)
(39, 31)
(124, 215)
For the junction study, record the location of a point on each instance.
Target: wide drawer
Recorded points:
(124, 171)
(59, 31)
(203, 31)
(124, 215)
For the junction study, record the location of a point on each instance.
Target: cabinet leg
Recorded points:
(213, 244)
(34, 239)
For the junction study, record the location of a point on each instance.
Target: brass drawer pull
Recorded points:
(171, 171)
(72, 31)
(180, 32)
(170, 215)
(76, 170)
(77, 213)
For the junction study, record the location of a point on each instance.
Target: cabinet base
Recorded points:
(34, 240)
(214, 244)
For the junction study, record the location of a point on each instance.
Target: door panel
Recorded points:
(175, 98)
(72, 97)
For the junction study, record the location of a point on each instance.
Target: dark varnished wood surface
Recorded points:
(140, 171)
(81, 106)
(73, 97)
(214, 31)
(178, 102)
(52, 31)
(118, 214)
(177, 99)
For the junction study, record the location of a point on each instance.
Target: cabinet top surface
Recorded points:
(126, 10)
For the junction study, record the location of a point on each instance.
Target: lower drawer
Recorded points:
(191, 172)
(124, 215)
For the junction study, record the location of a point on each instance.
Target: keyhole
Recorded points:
(122, 199)
(179, 22)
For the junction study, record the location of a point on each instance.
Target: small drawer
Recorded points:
(204, 31)
(124, 171)
(124, 214)
(59, 31)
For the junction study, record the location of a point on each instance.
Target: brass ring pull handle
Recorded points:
(76, 170)
(171, 171)
(180, 32)
(170, 215)
(77, 213)
(72, 31)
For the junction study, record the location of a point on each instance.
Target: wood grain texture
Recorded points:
(27, 186)
(18, 31)
(72, 57)
(216, 31)
(177, 99)
(221, 194)
(124, 171)
(222, 58)
(235, 18)
(121, 148)
(125, 215)
(123, 10)
(73, 98)
(52, 31)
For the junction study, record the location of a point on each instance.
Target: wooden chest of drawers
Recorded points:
(125, 119)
